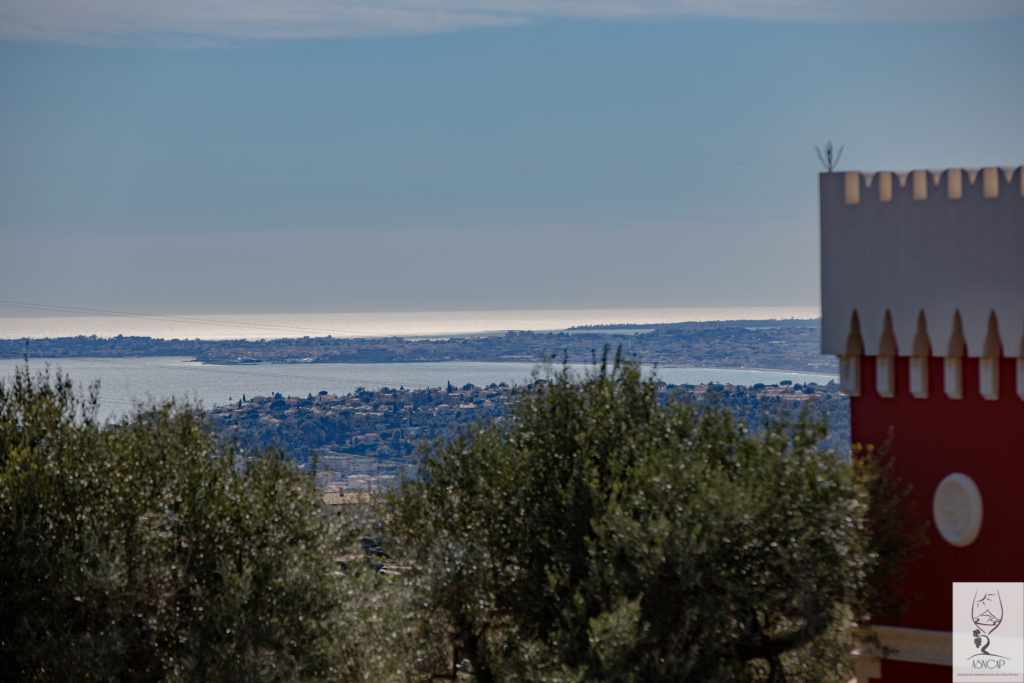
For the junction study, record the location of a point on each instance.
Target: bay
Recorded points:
(125, 382)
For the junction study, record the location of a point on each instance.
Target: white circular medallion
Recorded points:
(956, 507)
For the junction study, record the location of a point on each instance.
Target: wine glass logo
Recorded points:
(987, 614)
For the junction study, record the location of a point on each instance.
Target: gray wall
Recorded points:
(932, 241)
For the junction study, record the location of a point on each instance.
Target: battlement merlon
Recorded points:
(939, 242)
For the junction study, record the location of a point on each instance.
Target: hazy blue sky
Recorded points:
(251, 155)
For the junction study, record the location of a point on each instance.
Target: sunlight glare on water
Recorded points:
(410, 324)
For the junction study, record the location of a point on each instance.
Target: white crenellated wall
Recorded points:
(933, 242)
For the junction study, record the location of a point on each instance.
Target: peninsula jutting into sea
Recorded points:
(751, 344)
(364, 404)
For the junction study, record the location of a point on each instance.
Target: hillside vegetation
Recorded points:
(599, 530)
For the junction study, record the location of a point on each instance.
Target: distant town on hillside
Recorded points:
(369, 439)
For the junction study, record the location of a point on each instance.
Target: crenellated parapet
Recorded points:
(923, 263)
(886, 187)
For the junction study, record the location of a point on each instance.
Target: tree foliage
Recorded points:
(596, 532)
(601, 533)
(150, 550)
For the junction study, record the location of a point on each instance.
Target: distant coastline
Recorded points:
(368, 325)
(791, 345)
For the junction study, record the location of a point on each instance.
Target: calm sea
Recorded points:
(124, 382)
(418, 324)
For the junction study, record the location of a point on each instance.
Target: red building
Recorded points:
(922, 278)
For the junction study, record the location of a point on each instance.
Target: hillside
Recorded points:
(369, 438)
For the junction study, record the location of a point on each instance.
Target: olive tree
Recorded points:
(601, 532)
(150, 549)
